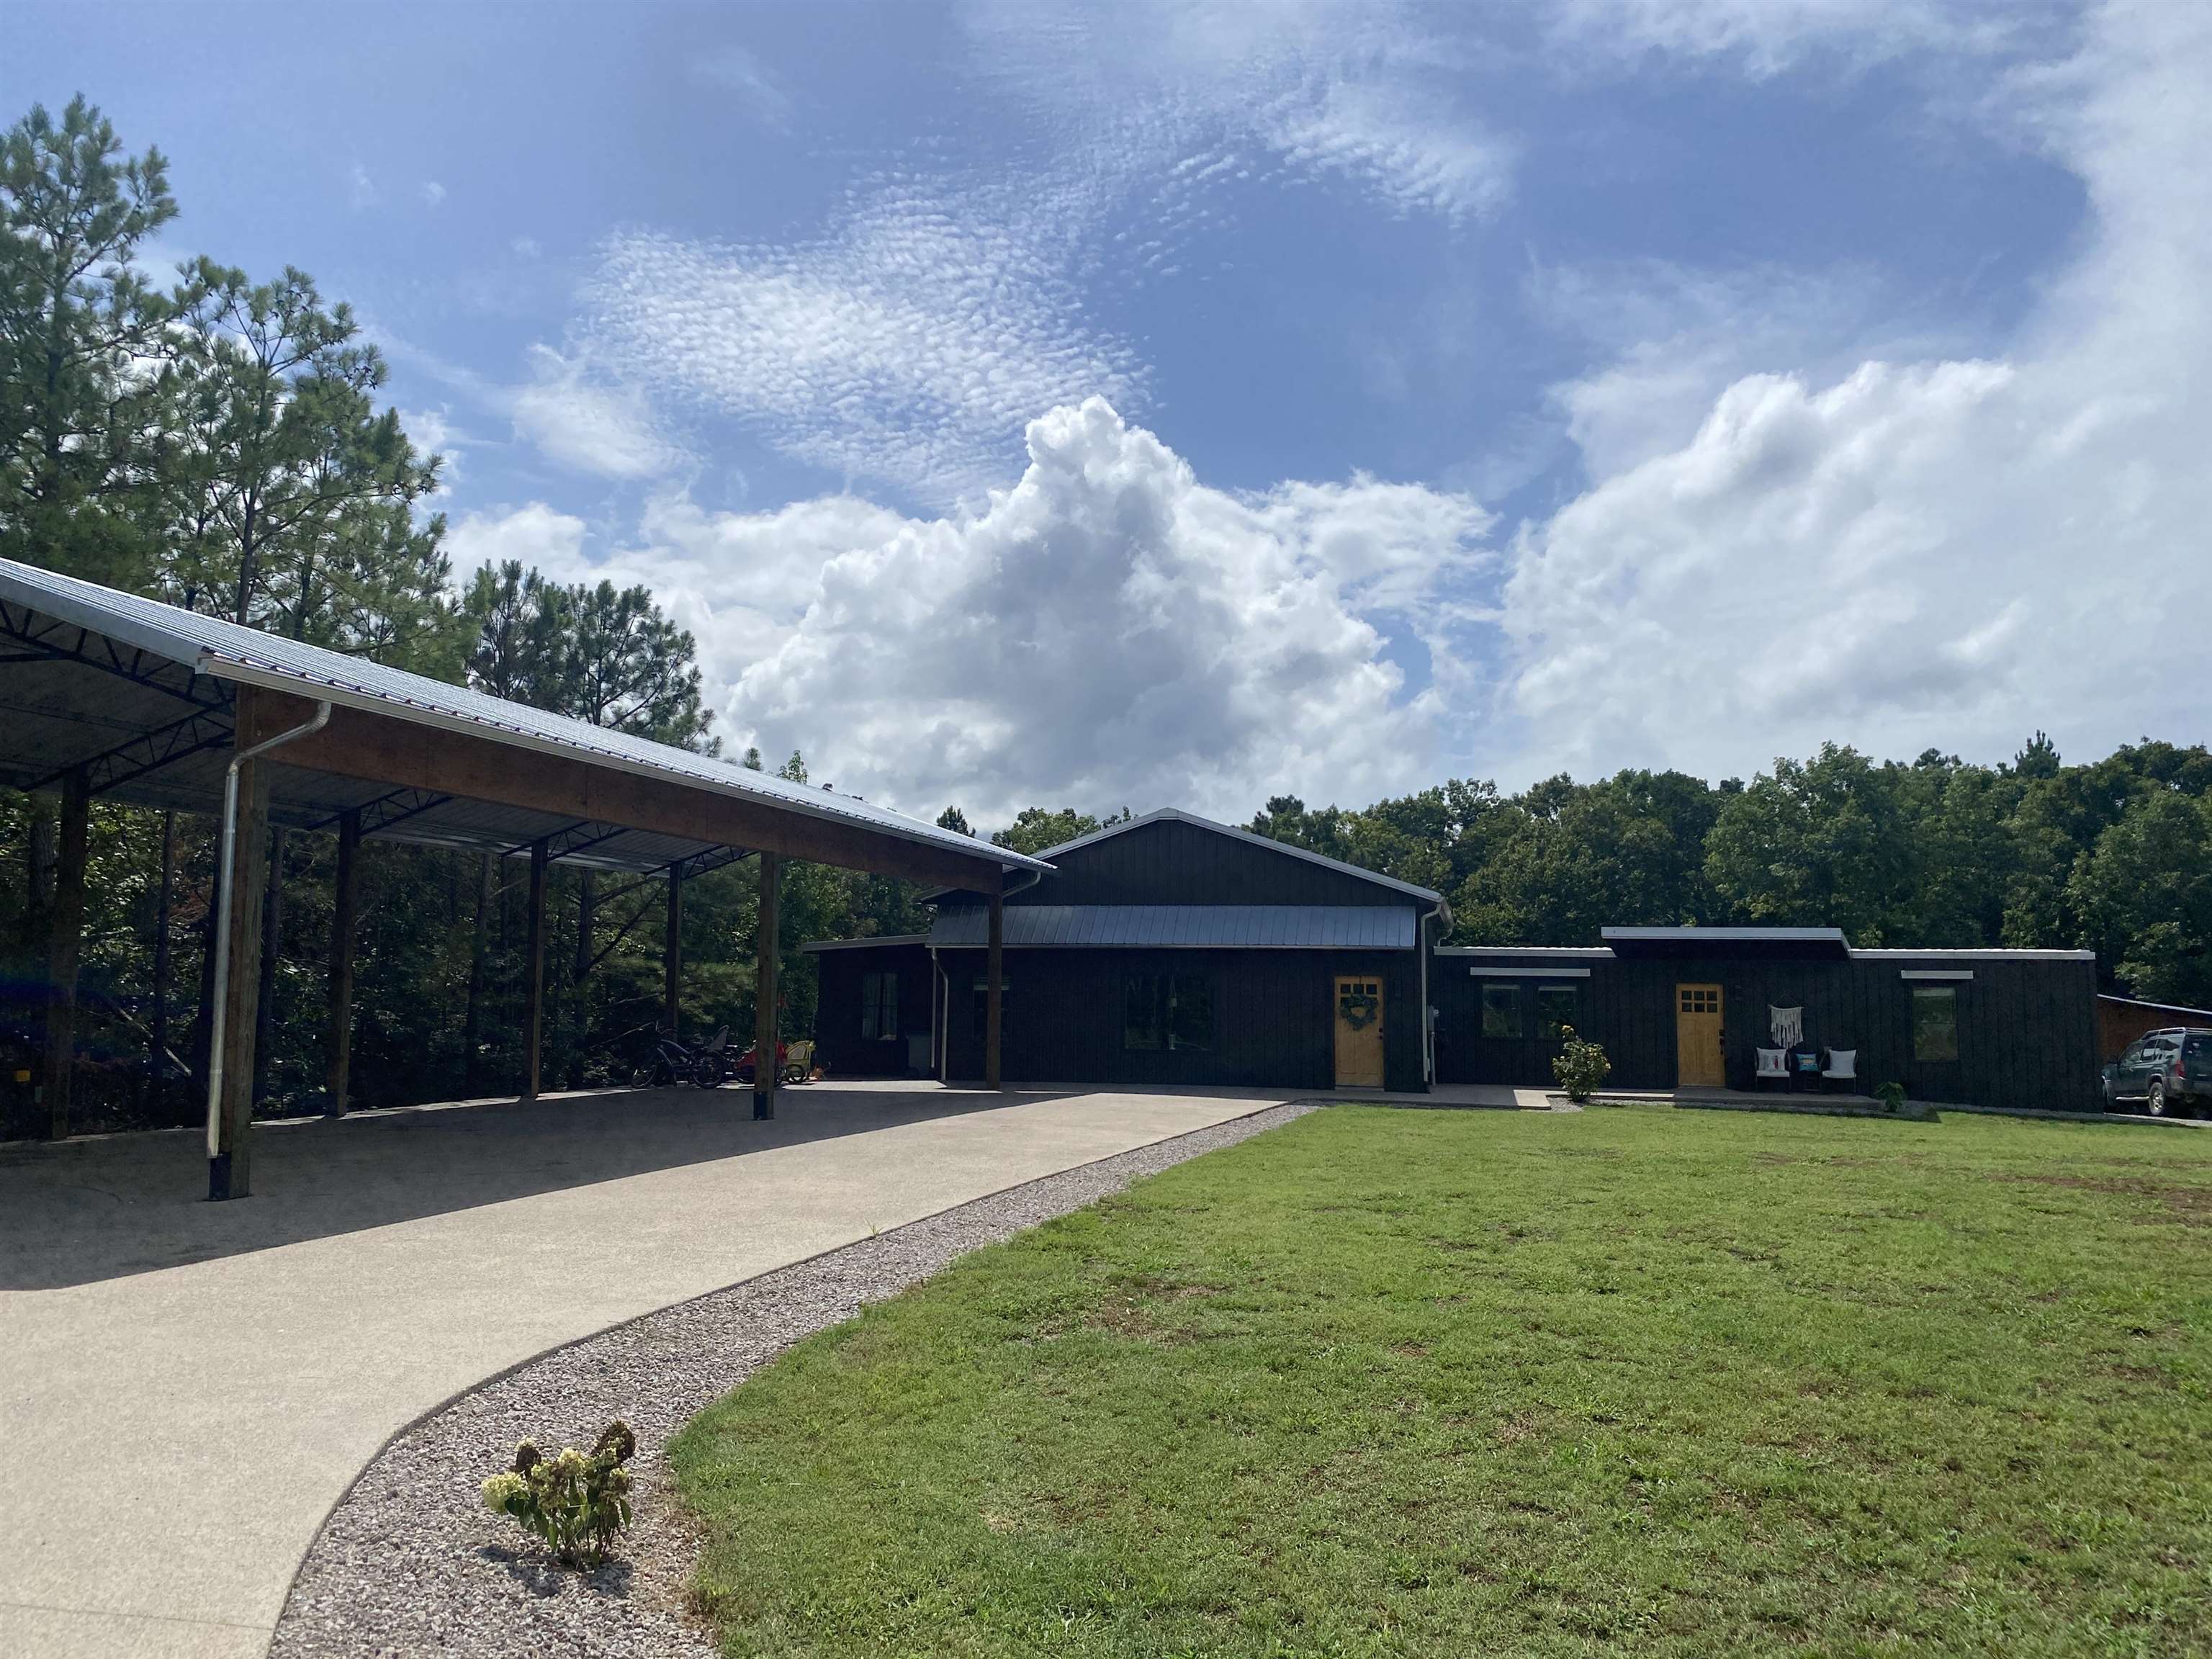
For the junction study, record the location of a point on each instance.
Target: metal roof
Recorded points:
(1184, 927)
(51, 701)
(816, 946)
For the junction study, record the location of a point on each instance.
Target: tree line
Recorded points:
(219, 442)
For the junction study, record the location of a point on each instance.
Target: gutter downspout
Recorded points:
(219, 1160)
(1428, 1020)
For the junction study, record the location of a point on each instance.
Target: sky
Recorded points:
(1181, 405)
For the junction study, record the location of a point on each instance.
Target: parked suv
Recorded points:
(2169, 1071)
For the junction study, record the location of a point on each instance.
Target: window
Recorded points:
(1934, 1022)
(1501, 1010)
(983, 1005)
(879, 1007)
(1555, 1010)
(1700, 999)
(1167, 1011)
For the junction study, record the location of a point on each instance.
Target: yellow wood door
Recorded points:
(1698, 1037)
(1358, 1032)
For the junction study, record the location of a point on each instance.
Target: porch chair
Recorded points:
(1773, 1067)
(1839, 1065)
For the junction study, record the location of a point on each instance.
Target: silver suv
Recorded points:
(2169, 1071)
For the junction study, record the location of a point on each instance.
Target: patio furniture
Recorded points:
(1773, 1067)
(1804, 1069)
(1842, 1067)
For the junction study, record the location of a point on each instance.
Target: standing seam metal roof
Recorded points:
(1184, 927)
(224, 650)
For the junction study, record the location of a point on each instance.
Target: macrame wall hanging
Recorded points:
(1787, 1026)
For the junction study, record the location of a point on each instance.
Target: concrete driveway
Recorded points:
(191, 1385)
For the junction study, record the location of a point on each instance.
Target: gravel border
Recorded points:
(410, 1561)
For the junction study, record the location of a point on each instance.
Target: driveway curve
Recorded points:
(201, 1382)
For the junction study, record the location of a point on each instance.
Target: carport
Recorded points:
(109, 695)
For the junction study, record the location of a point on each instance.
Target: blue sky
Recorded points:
(1484, 390)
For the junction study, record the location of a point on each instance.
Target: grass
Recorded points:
(1435, 1383)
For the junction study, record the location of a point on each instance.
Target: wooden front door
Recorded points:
(1358, 1032)
(1698, 1037)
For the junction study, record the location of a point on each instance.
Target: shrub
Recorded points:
(1892, 1097)
(578, 1502)
(1580, 1067)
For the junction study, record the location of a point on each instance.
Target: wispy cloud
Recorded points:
(581, 419)
(434, 193)
(360, 188)
(753, 90)
(909, 346)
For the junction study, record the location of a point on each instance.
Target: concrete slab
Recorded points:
(201, 1382)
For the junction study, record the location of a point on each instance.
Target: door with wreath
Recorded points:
(1358, 1032)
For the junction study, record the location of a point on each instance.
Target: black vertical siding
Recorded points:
(838, 1045)
(1274, 1018)
(2027, 1027)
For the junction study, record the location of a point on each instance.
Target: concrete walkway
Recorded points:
(188, 1387)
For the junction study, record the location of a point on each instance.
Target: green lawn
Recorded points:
(1456, 1383)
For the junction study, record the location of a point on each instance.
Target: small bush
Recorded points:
(1580, 1067)
(1892, 1097)
(578, 1502)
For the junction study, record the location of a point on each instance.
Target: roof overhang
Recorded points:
(1817, 943)
(146, 698)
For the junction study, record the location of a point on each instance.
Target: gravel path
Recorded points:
(411, 1562)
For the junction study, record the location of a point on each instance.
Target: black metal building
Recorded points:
(1173, 951)
(1166, 950)
(1679, 1007)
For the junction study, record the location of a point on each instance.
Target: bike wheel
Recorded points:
(706, 1072)
(641, 1077)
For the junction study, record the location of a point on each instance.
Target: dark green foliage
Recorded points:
(578, 1502)
(1034, 828)
(1580, 1066)
(2115, 856)
(1632, 1382)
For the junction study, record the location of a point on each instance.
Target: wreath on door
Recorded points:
(1357, 1009)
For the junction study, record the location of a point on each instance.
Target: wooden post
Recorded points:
(994, 992)
(157, 1078)
(65, 947)
(337, 1047)
(764, 987)
(272, 948)
(232, 1177)
(672, 955)
(533, 977)
(580, 1016)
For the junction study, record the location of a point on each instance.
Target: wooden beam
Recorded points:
(672, 955)
(994, 992)
(241, 991)
(65, 948)
(386, 749)
(337, 1047)
(533, 977)
(765, 958)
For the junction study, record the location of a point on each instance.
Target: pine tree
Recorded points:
(86, 343)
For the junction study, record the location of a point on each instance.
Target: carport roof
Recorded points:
(142, 695)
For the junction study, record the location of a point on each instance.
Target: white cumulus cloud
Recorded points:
(1941, 552)
(1107, 631)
